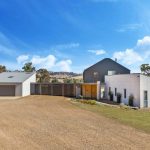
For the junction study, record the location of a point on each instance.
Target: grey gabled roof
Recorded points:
(15, 77)
(105, 59)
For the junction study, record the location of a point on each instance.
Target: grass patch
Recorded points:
(139, 119)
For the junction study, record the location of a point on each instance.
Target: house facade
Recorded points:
(137, 85)
(98, 71)
(16, 83)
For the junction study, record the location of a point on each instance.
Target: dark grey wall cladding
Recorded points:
(102, 69)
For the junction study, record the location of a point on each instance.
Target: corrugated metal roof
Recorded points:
(15, 77)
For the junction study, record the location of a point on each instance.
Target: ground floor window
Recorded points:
(145, 99)
(125, 93)
(115, 91)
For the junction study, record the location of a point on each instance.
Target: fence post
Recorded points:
(40, 89)
(63, 89)
(98, 90)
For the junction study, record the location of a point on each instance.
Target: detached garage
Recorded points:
(16, 83)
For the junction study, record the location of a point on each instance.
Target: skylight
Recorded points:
(10, 76)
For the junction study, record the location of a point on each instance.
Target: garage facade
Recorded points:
(16, 83)
(7, 90)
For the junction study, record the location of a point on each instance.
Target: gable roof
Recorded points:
(107, 59)
(15, 77)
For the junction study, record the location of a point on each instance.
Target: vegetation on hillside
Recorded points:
(145, 69)
(42, 75)
(28, 67)
(2, 68)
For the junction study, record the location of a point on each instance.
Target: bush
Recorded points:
(111, 96)
(119, 97)
(131, 99)
(91, 102)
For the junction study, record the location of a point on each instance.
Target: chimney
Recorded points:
(115, 59)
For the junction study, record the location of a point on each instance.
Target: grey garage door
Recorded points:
(7, 90)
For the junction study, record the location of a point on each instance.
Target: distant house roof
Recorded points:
(105, 59)
(15, 77)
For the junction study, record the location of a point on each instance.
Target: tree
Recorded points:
(55, 80)
(43, 76)
(28, 67)
(145, 69)
(67, 80)
(2, 68)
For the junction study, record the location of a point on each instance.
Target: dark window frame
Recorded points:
(125, 93)
(115, 91)
(145, 95)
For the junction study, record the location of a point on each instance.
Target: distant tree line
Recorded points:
(42, 75)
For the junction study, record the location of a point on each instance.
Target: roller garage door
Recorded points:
(7, 90)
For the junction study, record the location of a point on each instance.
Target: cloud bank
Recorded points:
(49, 62)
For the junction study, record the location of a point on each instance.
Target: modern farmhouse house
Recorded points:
(137, 85)
(16, 83)
(104, 67)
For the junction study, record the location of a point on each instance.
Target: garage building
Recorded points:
(16, 83)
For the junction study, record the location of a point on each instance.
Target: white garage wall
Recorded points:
(18, 90)
(145, 86)
(26, 85)
(130, 82)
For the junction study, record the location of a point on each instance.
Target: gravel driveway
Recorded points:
(53, 123)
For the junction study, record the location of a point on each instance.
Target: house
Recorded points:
(104, 67)
(16, 83)
(137, 85)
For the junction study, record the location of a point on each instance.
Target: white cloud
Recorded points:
(144, 42)
(97, 52)
(129, 56)
(129, 27)
(44, 62)
(49, 62)
(66, 46)
(64, 65)
(22, 58)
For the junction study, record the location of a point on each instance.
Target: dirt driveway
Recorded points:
(53, 123)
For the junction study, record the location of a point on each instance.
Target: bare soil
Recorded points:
(53, 123)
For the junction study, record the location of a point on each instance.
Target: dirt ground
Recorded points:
(53, 123)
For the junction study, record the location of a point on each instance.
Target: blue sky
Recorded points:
(70, 35)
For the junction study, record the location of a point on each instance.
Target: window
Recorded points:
(115, 91)
(109, 89)
(145, 95)
(95, 74)
(145, 98)
(125, 93)
(111, 72)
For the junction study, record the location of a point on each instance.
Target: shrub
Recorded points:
(91, 102)
(119, 97)
(111, 95)
(131, 99)
(80, 97)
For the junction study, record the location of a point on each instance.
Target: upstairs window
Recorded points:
(111, 72)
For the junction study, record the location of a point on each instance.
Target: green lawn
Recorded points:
(139, 119)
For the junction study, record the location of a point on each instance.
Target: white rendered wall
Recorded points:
(26, 85)
(130, 82)
(144, 86)
(18, 90)
(98, 90)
